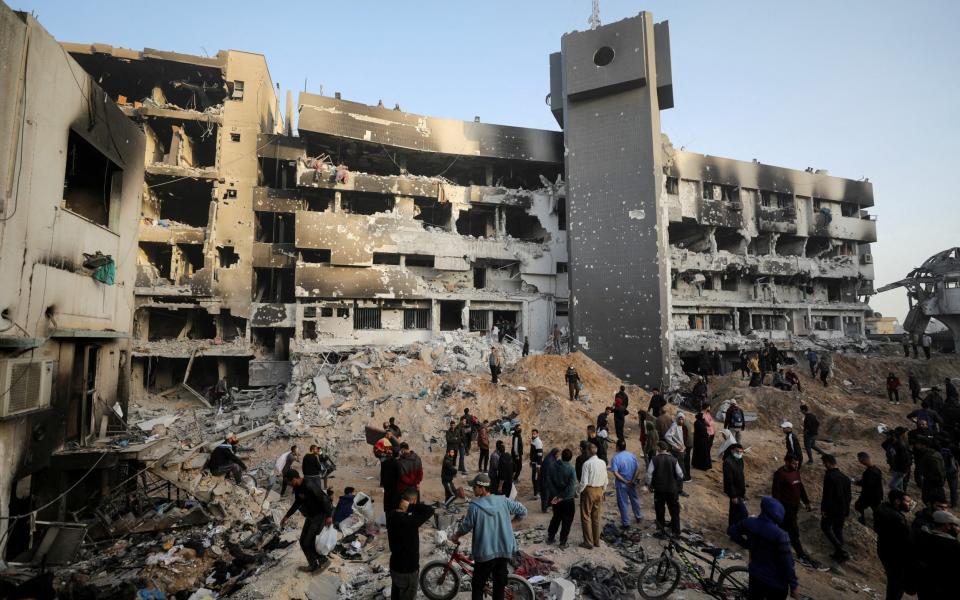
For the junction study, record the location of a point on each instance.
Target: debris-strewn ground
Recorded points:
(424, 387)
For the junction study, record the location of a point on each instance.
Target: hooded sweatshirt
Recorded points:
(675, 435)
(488, 517)
(771, 559)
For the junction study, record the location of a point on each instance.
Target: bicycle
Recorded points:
(440, 580)
(659, 578)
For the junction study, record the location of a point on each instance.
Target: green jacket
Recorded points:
(563, 480)
(453, 438)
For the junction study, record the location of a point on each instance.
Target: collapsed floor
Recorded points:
(220, 537)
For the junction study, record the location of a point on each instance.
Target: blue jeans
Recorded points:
(462, 451)
(625, 494)
(897, 480)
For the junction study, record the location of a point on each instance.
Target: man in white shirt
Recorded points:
(593, 481)
(284, 462)
(926, 341)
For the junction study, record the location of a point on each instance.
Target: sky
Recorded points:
(862, 88)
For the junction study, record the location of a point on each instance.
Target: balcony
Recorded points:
(844, 228)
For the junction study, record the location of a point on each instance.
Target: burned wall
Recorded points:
(617, 240)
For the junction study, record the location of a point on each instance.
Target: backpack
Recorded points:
(736, 417)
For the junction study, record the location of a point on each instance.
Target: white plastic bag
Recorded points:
(326, 540)
(363, 505)
(513, 492)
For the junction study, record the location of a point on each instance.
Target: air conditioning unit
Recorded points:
(868, 259)
(26, 385)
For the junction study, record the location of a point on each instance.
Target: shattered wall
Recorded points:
(71, 173)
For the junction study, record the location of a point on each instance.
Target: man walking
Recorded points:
(812, 360)
(465, 431)
(516, 452)
(496, 362)
(315, 506)
(894, 542)
(505, 470)
(791, 442)
(734, 484)
(573, 383)
(871, 488)
(772, 575)
(734, 420)
(448, 470)
(490, 519)
(620, 403)
(536, 461)
(483, 447)
(789, 491)
(626, 471)
(403, 535)
(665, 478)
(593, 482)
(452, 437)
(563, 482)
(926, 342)
(834, 506)
(657, 402)
(284, 462)
(811, 430)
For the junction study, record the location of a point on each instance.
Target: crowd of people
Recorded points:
(921, 462)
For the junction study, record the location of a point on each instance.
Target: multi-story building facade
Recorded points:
(71, 171)
(365, 225)
(197, 285)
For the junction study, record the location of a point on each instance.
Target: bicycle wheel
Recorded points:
(519, 588)
(734, 583)
(659, 578)
(438, 581)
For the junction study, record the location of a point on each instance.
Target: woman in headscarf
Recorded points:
(547, 492)
(701, 444)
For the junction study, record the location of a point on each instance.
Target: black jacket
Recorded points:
(894, 543)
(389, 474)
(403, 536)
(310, 499)
(657, 402)
(516, 446)
(734, 485)
(222, 456)
(836, 494)
(811, 424)
(792, 444)
(939, 556)
(871, 486)
(505, 467)
(311, 465)
(449, 469)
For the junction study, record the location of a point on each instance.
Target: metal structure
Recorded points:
(933, 292)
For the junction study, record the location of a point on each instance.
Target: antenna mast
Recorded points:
(594, 19)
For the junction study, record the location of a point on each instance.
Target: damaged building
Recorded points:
(71, 175)
(372, 226)
(263, 240)
(689, 251)
(198, 283)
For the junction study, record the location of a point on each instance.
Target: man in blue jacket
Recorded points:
(771, 561)
(490, 518)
